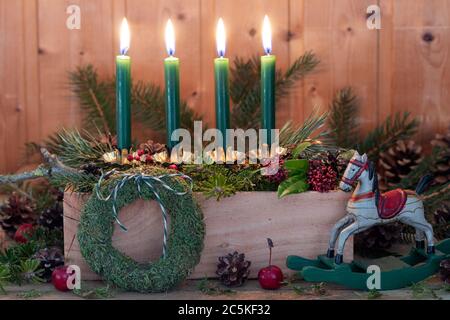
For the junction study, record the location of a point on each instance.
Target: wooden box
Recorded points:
(298, 224)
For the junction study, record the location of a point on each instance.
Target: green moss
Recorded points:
(184, 245)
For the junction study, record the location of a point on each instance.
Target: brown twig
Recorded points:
(50, 166)
(100, 111)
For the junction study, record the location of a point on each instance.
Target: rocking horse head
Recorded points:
(359, 169)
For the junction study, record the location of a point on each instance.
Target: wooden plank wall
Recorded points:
(403, 66)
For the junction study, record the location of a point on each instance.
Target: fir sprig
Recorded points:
(149, 108)
(342, 120)
(97, 99)
(399, 127)
(308, 138)
(75, 149)
(245, 86)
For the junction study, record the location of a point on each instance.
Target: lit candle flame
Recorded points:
(267, 35)
(221, 38)
(170, 38)
(124, 37)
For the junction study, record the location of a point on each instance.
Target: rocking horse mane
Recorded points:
(373, 176)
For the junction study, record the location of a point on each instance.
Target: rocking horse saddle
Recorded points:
(391, 203)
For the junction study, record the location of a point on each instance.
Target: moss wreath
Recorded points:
(184, 243)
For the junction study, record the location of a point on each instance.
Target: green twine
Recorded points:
(184, 244)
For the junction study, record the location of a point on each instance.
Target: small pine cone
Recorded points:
(441, 169)
(50, 259)
(444, 271)
(322, 177)
(397, 162)
(233, 270)
(442, 221)
(108, 139)
(151, 147)
(377, 238)
(341, 166)
(91, 168)
(17, 210)
(52, 218)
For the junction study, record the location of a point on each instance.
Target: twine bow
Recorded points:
(150, 182)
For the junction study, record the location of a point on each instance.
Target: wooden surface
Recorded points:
(298, 224)
(249, 291)
(403, 66)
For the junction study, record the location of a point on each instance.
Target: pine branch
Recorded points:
(97, 99)
(75, 149)
(384, 136)
(342, 119)
(299, 69)
(307, 136)
(245, 87)
(148, 105)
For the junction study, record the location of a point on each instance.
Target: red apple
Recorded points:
(59, 278)
(173, 167)
(23, 233)
(270, 277)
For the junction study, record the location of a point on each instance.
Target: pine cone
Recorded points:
(441, 169)
(322, 175)
(151, 147)
(444, 270)
(233, 269)
(339, 163)
(17, 210)
(50, 258)
(397, 162)
(52, 217)
(442, 221)
(378, 238)
(91, 168)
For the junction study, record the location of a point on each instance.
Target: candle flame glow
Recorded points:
(124, 37)
(267, 35)
(221, 38)
(170, 38)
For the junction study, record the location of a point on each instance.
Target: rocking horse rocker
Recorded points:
(367, 208)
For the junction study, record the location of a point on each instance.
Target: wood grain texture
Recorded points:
(298, 224)
(417, 58)
(402, 67)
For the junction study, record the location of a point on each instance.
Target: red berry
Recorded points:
(137, 158)
(130, 157)
(173, 167)
(23, 233)
(148, 158)
(60, 277)
(140, 152)
(270, 277)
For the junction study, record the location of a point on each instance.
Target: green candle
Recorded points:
(172, 77)
(221, 67)
(268, 71)
(123, 91)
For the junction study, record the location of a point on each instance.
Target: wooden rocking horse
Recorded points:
(368, 207)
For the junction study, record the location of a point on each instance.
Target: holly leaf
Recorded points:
(295, 184)
(296, 166)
